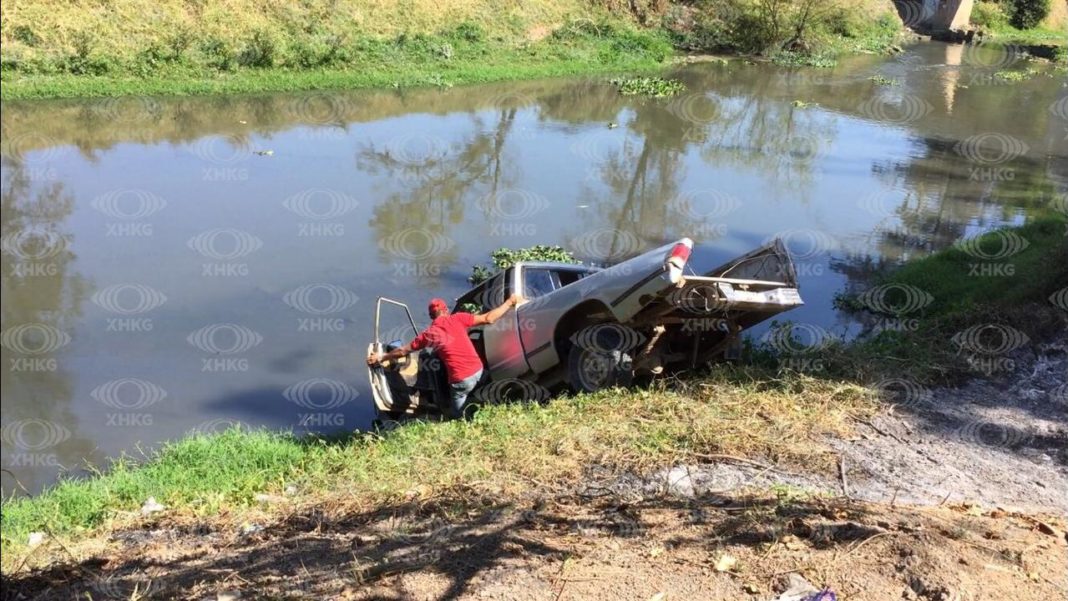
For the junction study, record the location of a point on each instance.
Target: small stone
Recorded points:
(35, 539)
(151, 506)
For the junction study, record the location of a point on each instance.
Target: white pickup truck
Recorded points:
(591, 327)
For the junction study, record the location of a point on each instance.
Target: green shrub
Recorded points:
(85, 61)
(990, 15)
(25, 34)
(641, 43)
(1027, 14)
(259, 51)
(218, 54)
(467, 32)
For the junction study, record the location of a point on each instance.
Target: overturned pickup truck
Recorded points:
(590, 328)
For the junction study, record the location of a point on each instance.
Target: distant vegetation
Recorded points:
(1022, 20)
(51, 48)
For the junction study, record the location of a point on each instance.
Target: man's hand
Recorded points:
(490, 317)
(373, 359)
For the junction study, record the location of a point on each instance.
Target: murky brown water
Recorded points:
(171, 265)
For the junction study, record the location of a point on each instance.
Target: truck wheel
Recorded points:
(594, 363)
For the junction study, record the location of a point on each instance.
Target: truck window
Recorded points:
(537, 282)
(486, 295)
(569, 276)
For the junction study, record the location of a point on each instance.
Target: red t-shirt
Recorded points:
(448, 336)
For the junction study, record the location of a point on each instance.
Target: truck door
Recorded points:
(504, 350)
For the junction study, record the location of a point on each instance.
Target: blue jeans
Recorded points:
(458, 392)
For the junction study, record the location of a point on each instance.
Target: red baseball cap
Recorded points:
(436, 305)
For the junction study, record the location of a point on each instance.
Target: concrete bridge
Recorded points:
(935, 15)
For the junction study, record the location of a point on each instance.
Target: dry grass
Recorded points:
(123, 26)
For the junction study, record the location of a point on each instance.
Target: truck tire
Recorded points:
(591, 368)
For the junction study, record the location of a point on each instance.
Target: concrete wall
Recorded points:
(949, 14)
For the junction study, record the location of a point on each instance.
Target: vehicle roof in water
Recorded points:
(554, 265)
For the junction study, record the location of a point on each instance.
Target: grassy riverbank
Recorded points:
(459, 56)
(505, 451)
(766, 411)
(131, 47)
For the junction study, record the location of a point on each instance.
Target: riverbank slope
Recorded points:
(131, 47)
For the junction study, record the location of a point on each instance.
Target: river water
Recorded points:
(172, 265)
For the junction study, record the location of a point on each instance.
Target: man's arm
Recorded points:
(491, 316)
(397, 353)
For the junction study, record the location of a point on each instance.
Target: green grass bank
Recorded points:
(89, 48)
(759, 409)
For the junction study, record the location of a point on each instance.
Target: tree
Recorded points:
(1027, 14)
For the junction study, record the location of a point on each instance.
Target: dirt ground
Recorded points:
(948, 495)
(593, 544)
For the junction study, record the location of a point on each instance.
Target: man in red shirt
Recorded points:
(447, 335)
